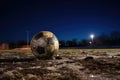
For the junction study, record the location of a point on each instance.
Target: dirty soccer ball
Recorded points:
(44, 45)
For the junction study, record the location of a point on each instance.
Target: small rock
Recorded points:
(58, 57)
(88, 58)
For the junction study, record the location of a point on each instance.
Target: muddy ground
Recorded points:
(78, 66)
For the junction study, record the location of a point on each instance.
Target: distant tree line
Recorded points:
(112, 39)
(17, 44)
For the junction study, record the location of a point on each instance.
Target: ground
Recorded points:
(69, 65)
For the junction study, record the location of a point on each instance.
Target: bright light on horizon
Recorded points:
(92, 36)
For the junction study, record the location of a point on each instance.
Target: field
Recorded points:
(70, 64)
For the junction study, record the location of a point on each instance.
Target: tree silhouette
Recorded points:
(102, 39)
(20, 43)
(84, 42)
(62, 43)
(115, 38)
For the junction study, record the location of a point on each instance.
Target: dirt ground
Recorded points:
(78, 66)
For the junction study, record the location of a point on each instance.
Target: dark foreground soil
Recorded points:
(65, 67)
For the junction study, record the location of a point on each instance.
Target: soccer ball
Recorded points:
(44, 45)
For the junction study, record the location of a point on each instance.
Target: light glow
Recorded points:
(92, 36)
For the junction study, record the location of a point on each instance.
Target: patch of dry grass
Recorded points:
(15, 51)
(69, 51)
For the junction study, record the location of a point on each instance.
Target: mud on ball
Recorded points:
(44, 45)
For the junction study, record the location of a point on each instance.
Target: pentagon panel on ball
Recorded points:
(44, 45)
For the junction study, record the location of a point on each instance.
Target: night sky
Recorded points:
(67, 19)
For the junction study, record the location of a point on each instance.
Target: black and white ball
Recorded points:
(44, 45)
